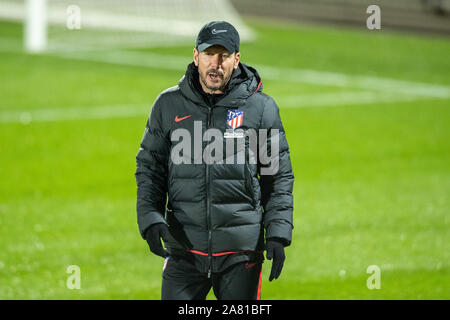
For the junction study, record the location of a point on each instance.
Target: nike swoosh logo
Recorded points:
(214, 31)
(179, 119)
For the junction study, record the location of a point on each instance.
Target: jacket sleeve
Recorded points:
(151, 171)
(277, 185)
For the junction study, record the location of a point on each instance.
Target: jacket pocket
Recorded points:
(177, 236)
(249, 184)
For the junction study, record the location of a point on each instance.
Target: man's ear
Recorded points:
(195, 54)
(237, 58)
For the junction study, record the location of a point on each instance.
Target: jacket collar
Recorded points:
(244, 82)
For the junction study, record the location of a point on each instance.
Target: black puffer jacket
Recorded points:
(213, 210)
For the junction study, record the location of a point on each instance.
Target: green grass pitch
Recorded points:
(372, 176)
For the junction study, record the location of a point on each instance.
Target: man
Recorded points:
(212, 216)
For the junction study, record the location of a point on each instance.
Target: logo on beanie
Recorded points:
(214, 31)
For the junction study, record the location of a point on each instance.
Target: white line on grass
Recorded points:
(177, 63)
(168, 62)
(382, 90)
(335, 99)
(141, 110)
(77, 113)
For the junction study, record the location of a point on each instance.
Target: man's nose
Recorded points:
(216, 61)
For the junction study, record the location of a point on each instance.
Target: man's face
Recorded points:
(215, 66)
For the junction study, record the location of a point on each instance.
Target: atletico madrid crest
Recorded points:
(235, 118)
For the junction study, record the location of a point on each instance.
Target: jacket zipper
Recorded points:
(208, 211)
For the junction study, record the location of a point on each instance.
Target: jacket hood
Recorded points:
(244, 82)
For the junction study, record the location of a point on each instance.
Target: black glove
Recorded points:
(275, 250)
(153, 235)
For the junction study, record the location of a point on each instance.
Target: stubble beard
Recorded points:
(220, 86)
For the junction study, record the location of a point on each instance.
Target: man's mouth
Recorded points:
(214, 76)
